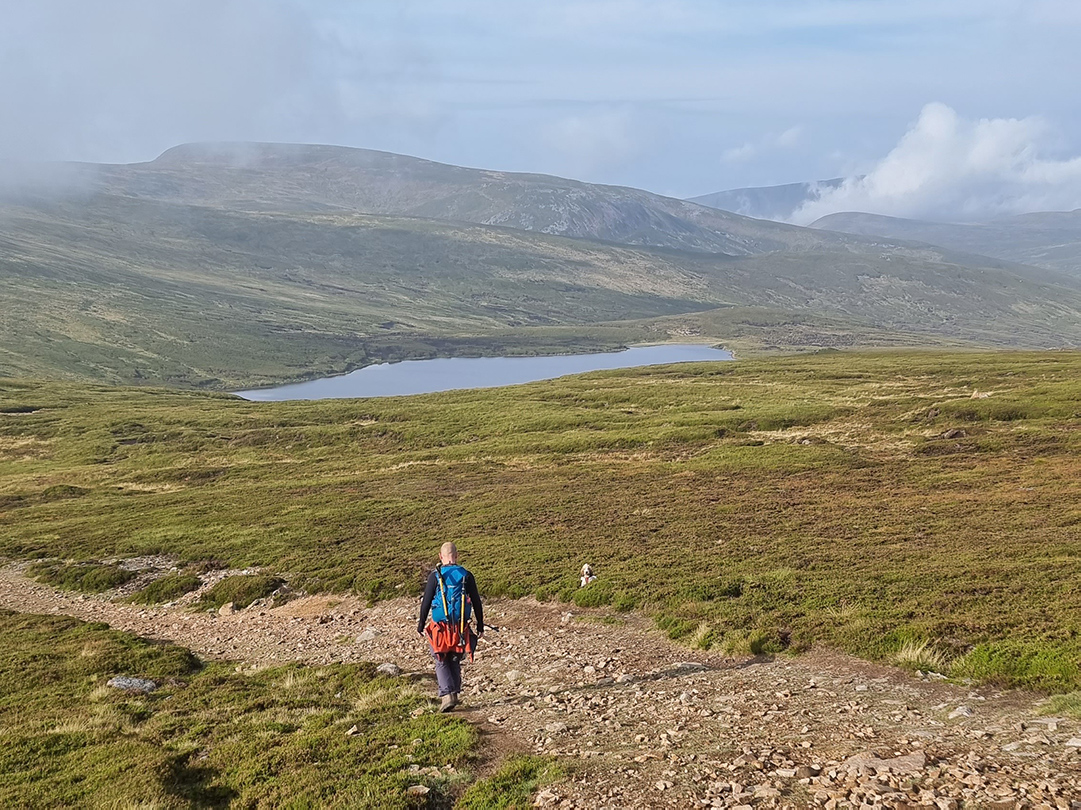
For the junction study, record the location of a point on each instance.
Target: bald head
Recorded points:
(448, 554)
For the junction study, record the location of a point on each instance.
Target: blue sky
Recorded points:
(682, 97)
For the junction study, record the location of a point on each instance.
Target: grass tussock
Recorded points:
(241, 590)
(1068, 704)
(921, 655)
(168, 588)
(851, 500)
(209, 736)
(703, 637)
(1013, 663)
(85, 577)
(513, 786)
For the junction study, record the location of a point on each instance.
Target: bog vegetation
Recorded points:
(210, 736)
(922, 508)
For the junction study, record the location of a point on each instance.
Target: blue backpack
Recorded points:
(451, 604)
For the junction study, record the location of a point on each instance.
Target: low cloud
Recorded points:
(949, 168)
(771, 142)
(122, 80)
(594, 141)
(738, 154)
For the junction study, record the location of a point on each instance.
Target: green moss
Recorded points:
(1013, 663)
(166, 589)
(85, 577)
(513, 786)
(208, 736)
(1069, 704)
(241, 590)
(676, 627)
(596, 594)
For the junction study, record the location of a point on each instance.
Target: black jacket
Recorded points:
(470, 591)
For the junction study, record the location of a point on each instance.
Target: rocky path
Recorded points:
(643, 722)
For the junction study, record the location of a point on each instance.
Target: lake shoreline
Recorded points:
(413, 377)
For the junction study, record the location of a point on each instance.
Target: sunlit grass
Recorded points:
(1068, 704)
(783, 503)
(921, 655)
(208, 736)
(514, 784)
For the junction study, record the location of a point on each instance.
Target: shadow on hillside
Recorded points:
(196, 784)
(678, 671)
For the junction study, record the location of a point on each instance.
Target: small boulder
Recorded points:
(960, 711)
(228, 609)
(129, 684)
(907, 764)
(367, 635)
(390, 670)
(417, 790)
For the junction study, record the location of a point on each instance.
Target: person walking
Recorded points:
(450, 596)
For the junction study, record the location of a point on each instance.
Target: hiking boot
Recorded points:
(448, 703)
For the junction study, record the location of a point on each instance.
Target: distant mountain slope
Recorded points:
(117, 288)
(767, 202)
(308, 178)
(1049, 239)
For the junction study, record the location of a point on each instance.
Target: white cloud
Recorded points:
(125, 79)
(789, 138)
(738, 154)
(946, 167)
(771, 142)
(594, 140)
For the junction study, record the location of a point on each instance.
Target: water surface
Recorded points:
(449, 374)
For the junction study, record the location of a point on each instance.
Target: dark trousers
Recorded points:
(448, 672)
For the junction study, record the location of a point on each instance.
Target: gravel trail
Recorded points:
(643, 722)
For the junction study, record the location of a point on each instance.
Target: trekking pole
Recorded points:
(442, 591)
(461, 619)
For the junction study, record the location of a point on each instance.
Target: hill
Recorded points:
(312, 178)
(247, 264)
(1050, 239)
(117, 288)
(767, 202)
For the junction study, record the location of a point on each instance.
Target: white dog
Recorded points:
(587, 576)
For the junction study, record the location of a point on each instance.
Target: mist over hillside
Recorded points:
(767, 202)
(1050, 239)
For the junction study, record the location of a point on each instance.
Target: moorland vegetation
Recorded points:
(918, 507)
(215, 735)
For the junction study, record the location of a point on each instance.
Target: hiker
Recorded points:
(451, 595)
